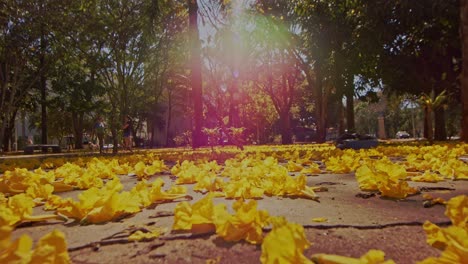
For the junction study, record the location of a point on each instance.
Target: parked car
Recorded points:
(402, 134)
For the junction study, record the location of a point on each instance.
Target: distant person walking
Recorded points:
(128, 133)
(99, 130)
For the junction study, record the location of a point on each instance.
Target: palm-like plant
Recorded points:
(430, 103)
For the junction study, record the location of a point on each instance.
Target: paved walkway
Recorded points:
(354, 226)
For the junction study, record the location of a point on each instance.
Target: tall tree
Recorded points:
(19, 71)
(464, 76)
(420, 49)
(276, 65)
(196, 74)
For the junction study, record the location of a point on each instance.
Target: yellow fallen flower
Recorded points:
(60, 186)
(434, 235)
(296, 187)
(385, 176)
(98, 205)
(457, 211)
(3, 199)
(243, 188)
(99, 169)
(345, 163)
(155, 193)
(112, 207)
(208, 182)
(453, 240)
(427, 176)
(285, 243)
(187, 172)
(319, 219)
(396, 189)
(371, 257)
(19, 208)
(146, 236)
(294, 167)
(18, 251)
(454, 169)
(41, 191)
(143, 172)
(246, 223)
(198, 217)
(366, 178)
(120, 168)
(312, 169)
(51, 248)
(20, 179)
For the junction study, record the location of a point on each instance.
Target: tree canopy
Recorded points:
(272, 67)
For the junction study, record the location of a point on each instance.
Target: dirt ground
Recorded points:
(355, 224)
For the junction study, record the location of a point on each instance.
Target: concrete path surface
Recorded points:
(355, 224)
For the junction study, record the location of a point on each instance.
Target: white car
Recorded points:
(402, 134)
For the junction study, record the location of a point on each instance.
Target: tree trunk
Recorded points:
(350, 108)
(286, 137)
(115, 140)
(77, 120)
(43, 87)
(9, 130)
(341, 118)
(440, 132)
(195, 74)
(169, 136)
(152, 129)
(464, 75)
(428, 125)
(320, 106)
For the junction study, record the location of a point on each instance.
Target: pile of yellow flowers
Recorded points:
(51, 248)
(250, 174)
(385, 176)
(285, 243)
(203, 216)
(452, 240)
(98, 205)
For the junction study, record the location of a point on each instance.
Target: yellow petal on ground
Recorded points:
(455, 246)
(51, 248)
(139, 169)
(285, 243)
(113, 207)
(246, 223)
(457, 210)
(366, 179)
(60, 186)
(428, 176)
(17, 252)
(312, 169)
(371, 257)
(182, 216)
(319, 219)
(146, 236)
(294, 167)
(156, 193)
(42, 191)
(198, 217)
(396, 189)
(434, 234)
(5, 236)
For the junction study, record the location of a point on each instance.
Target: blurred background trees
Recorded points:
(283, 70)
